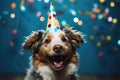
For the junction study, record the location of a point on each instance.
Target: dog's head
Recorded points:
(58, 47)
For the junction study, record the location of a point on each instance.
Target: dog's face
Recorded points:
(58, 47)
(56, 43)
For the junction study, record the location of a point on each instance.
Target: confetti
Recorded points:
(14, 31)
(75, 19)
(118, 42)
(100, 16)
(38, 14)
(101, 1)
(88, 13)
(39, 0)
(93, 16)
(59, 1)
(108, 38)
(46, 1)
(73, 12)
(95, 5)
(12, 15)
(11, 43)
(107, 10)
(30, 1)
(72, 1)
(42, 18)
(96, 10)
(112, 4)
(115, 20)
(80, 22)
(13, 5)
(109, 19)
(91, 37)
(23, 8)
(22, 5)
(63, 23)
(5, 12)
(99, 44)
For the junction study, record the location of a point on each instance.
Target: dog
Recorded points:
(54, 54)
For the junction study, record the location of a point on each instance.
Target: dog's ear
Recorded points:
(74, 36)
(33, 40)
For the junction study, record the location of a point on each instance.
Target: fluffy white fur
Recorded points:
(48, 73)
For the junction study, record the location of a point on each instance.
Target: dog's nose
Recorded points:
(57, 48)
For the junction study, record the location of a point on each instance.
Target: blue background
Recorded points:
(13, 59)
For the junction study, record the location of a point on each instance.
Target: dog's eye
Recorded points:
(63, 39)
(47, 41)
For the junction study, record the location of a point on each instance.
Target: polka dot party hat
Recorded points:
(53, 24)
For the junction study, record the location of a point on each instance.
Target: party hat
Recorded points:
(53, 24)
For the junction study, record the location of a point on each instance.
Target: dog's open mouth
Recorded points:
(57, 60)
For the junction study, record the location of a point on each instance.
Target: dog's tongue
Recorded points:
(58, 64)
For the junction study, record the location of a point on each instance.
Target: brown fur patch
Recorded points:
(76, 35)
(39, 60)
(74, 59)
(61, 35)
(44, 50)
(49, 36)
(33, 38)
(28, 44)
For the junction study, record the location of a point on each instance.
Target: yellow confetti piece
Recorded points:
(115, 20)
(112, 4)
(22, 3)
(103, 15)
(99, 44)
(72, 0)
(101, 1)
(108, 38)
(88, 13)
(91, 37)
